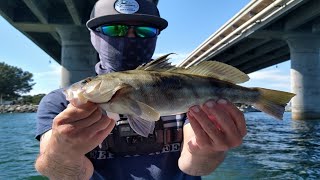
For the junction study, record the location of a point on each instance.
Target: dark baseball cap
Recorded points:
(115, 11)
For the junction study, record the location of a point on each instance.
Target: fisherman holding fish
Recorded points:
(143, 119)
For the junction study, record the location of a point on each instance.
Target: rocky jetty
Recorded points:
(18, 108)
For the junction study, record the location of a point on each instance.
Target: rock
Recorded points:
(18, 108)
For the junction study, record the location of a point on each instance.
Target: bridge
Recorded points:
(269, 32)
(61, 34)
(263, 33)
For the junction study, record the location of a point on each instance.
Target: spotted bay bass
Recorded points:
(158, 89)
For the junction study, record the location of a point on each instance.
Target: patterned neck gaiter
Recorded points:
(121, 53)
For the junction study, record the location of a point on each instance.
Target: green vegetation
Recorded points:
(14, 82)
(30, 99)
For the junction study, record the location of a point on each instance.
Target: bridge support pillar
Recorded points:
(78, 55)
(305, 76)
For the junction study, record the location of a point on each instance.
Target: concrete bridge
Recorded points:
(263, 33)
(268, 32)
(57, 27)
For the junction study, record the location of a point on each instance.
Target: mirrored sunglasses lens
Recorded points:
(115, 30)
(146, 32)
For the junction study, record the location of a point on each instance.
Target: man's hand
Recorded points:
(78, 130)
(75, 132)
(215, 127)
(218, 126)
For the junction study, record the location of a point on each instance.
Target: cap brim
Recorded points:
(152, 20)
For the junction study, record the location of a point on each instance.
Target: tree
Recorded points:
(14, 81)
(37, 98)
(29, 99)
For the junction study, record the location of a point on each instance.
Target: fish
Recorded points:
(159, 88)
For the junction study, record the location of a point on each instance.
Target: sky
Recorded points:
(190, 23)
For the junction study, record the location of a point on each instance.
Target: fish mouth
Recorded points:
(76, 93)
(75, 97)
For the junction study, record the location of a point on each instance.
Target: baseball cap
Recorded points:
(115, 11)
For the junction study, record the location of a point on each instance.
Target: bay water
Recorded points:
(272, 149)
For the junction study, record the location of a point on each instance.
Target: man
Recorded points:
(82, 142)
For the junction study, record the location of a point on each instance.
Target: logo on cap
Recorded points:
(126, 6)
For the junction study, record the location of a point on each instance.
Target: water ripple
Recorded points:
(18, 149)
(272, 149)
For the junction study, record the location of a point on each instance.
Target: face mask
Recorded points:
(121, 53)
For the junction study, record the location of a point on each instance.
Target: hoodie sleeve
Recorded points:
(50, 106)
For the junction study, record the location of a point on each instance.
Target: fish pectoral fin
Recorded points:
(145, 112)
(138, 124)
(137, 108)
(126, 105)
(141, 126)
(113, 116)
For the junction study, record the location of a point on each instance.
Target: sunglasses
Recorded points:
(122, 30)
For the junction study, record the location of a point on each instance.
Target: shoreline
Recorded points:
(18, 108)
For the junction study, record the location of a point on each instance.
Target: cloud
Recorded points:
(54, 71)
(274, 74)
(270, 78)
(46, 81)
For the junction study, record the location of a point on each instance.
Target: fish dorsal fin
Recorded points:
(212, 69)
(216, 70)
(159, 64)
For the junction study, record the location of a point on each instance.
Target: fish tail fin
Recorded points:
(273, 102)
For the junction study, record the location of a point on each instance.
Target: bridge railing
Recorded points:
(254, 13)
